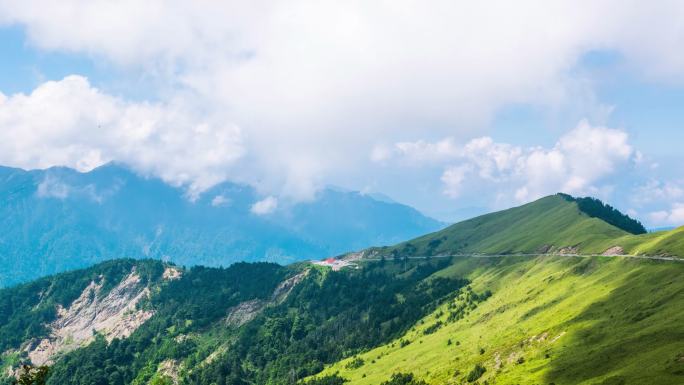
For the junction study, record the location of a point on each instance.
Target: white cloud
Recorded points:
(454, 178)
(422, 151)
(672, 216)
(662, 201)
(578, 161)
(312, 83)
(52, 188)
(220, 200)
(70, 123)
(265, 206)
(654, 191)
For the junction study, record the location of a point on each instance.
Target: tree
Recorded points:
(30, 375)
(476, 373)
(404, 379)
(333, 379)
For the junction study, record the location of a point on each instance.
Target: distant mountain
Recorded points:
(59, 219)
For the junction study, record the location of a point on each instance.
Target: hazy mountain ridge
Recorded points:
(59, 219)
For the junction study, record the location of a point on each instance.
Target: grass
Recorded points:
(561, 320)
(8, 360)
(548, 224)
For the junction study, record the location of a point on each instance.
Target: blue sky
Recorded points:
(452, 109)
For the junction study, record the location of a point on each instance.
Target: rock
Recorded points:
(568, 250)
(283, 290)
(169, 369)
(244, 312)
(615, 250)
(114, 316)
(171, 273)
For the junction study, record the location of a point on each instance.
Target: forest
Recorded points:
(326, 317)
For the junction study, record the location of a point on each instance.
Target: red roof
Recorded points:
(330, 260)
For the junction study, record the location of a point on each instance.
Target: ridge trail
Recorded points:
(477, 255)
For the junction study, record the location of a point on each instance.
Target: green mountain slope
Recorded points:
(550, 320)
(254, 323)
(552, 316)
(554, 224)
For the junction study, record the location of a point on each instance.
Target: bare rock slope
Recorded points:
(114, 315)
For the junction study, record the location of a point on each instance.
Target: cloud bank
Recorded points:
(289, 95)
(71, 123)
(577, 164)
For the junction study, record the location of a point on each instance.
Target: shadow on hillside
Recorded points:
(635, 336)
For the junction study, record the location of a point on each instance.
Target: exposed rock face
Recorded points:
(114, 316)
(355, 256)
(246, 311)
(569, 250)
(283, 290)
(169, 369)
(171, 273)
(615, 250)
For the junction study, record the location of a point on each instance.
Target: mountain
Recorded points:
(555, 224)
(140, 322)
(60, 219)
(541, 318)
(550, 320)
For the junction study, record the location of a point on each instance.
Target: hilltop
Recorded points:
(557, 224)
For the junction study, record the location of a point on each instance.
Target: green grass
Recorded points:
(660, 243)
(9, 359)
(548, 224)
(572, 320)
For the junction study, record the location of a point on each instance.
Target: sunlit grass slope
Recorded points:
(550, 320)
(660, 243)
(550, 224)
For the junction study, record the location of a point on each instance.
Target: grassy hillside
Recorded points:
(554, 224)
(669, 242)
(550, 320)
(540, 318)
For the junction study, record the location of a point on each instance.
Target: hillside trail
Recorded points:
(478, 255)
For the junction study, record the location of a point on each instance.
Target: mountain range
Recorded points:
(562, 290)
(60, 219)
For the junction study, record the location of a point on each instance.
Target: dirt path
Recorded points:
(475, 255)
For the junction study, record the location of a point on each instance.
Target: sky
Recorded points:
(455, 108)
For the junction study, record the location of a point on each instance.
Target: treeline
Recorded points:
(597, 209)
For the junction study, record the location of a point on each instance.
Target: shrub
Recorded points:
(404, 379)
(333, 379)
(476, 373)
(356, 363)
